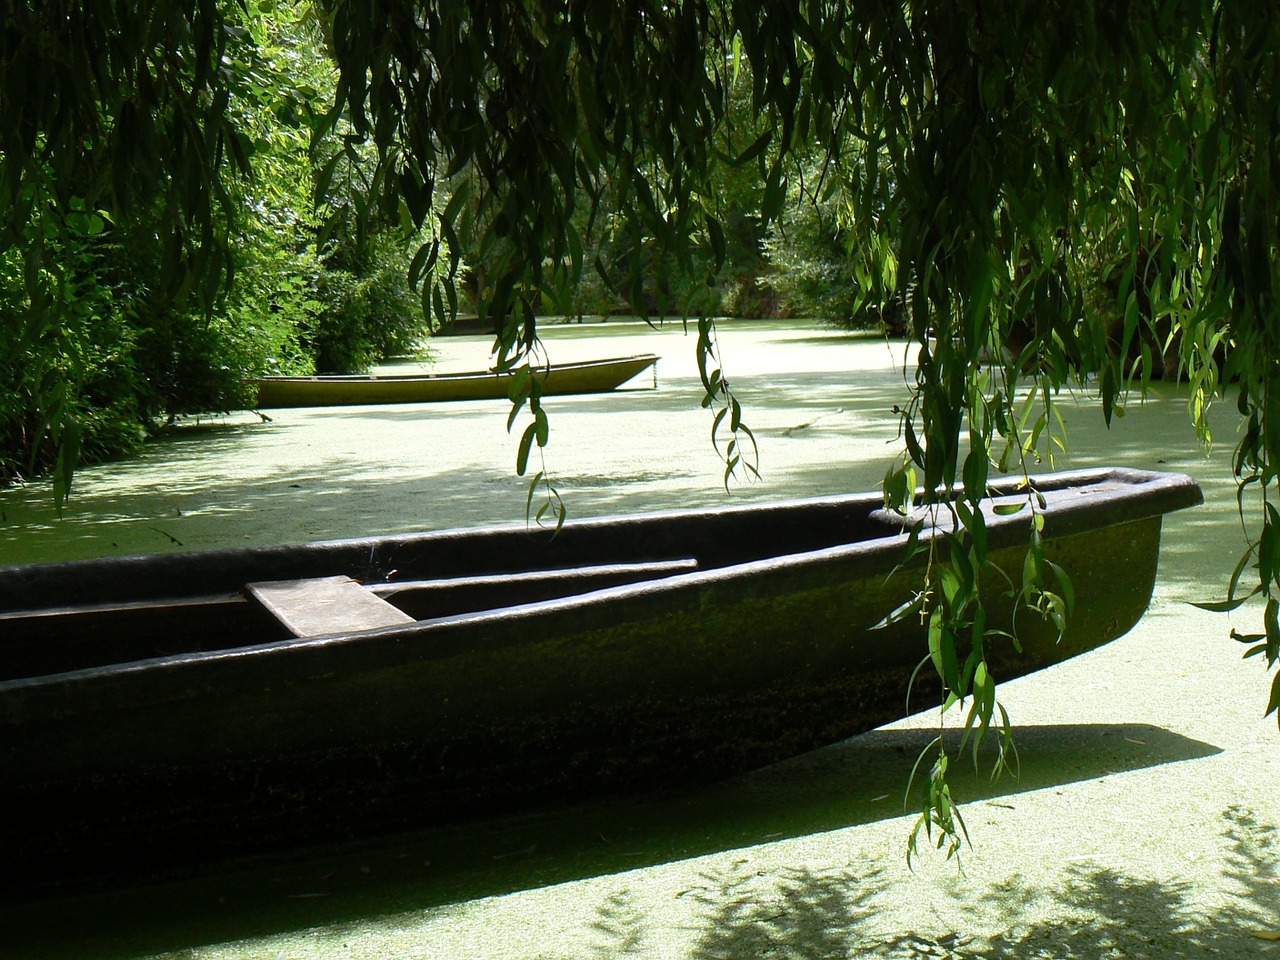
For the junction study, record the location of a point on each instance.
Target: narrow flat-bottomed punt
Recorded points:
(589, 376)
(203, 704)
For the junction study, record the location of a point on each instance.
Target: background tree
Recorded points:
(119, 305)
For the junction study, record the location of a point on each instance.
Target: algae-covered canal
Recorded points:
(1140, 824)
(332, 472)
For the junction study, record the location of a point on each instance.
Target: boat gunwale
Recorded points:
(1165, 492)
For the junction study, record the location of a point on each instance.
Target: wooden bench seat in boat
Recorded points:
(320, 606)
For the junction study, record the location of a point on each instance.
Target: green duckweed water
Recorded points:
(1141, 823)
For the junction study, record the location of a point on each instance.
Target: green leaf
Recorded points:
(936, 622)
(775, 194)
(1274, 702)
(526, 444)
(758, 146)
(1031, 577)
(1064, 584)
(541, 425)
(1008, 509)
(716, 235)
(68, 459)
(904, 611)
(1246, 637)
(975, 475)
(533, 489)
(1271, 620)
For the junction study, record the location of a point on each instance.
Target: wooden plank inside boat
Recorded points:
(316, 607)
(450, 596)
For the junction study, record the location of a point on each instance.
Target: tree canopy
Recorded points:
(1045, 193)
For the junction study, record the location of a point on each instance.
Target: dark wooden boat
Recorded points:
(591, 376)
(199, 704)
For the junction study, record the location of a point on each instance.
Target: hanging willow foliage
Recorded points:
(1051, 192)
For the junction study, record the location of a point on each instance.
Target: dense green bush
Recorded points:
(67, 351)
(811, 273)
(111, 361)
(106, 331)
(364, 317)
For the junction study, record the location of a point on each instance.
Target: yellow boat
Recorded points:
(591, 376)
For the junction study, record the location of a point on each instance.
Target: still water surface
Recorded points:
(819, 402)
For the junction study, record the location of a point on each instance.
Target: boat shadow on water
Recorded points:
(857, 781)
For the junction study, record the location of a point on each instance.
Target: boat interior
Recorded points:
(133, 609)
(53, 640)
(341, 588)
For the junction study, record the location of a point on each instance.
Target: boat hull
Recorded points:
(595, 376)
(690, 676)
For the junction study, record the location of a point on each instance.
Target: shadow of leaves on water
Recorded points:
(1105, 912)
(379, 883)
(1089, 913)
(618, 930)
(744, 914)
(807, 915)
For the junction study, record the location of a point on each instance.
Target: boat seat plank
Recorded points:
(324, 605)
